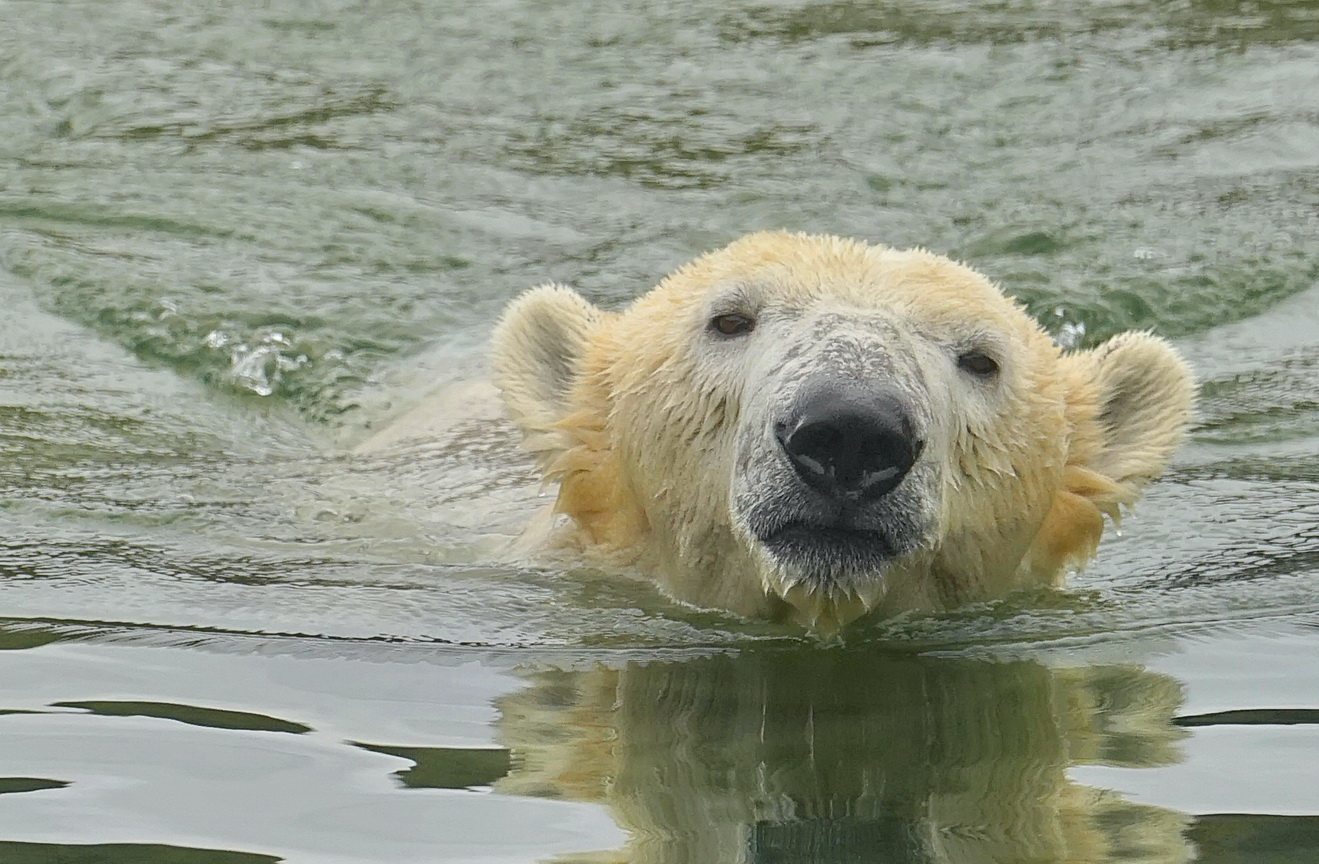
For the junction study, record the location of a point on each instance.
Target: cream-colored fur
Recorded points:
(653, 426)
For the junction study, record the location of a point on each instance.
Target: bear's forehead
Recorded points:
(804, 273)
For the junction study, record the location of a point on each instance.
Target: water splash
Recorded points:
(1069, 334)
(259, 366)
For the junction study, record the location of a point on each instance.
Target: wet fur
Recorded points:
(629, 413)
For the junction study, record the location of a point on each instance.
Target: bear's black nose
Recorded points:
(848, 440)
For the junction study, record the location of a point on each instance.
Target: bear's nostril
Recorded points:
(849, 441)
(815, 447)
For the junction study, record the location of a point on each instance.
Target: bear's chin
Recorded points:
(831, 574)
(829, 557)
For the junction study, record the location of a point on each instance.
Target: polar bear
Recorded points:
(813, 428)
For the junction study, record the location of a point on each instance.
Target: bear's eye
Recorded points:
(733, 324)
(978, 363)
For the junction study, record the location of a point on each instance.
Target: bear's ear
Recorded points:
(1134, 399)
(1144, 399)
(535, 349)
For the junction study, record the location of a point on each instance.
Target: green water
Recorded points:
(237, 238)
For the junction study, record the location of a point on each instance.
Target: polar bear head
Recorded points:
(811, 427)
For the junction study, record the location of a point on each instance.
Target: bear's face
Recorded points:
(834, 425)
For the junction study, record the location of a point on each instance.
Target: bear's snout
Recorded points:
(849, 441)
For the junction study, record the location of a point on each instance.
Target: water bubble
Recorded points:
(260, 368)
(255, 368)
(1071, 334)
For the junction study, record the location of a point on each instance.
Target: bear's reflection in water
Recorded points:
(834, 756)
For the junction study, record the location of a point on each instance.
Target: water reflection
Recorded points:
(122, 853)
(193, 715)
(843, 755)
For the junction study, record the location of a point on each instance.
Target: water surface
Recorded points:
(238, 238)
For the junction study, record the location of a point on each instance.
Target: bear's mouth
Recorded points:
(829, 550)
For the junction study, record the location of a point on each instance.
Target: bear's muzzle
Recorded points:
(848, 440)
(837, 503)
